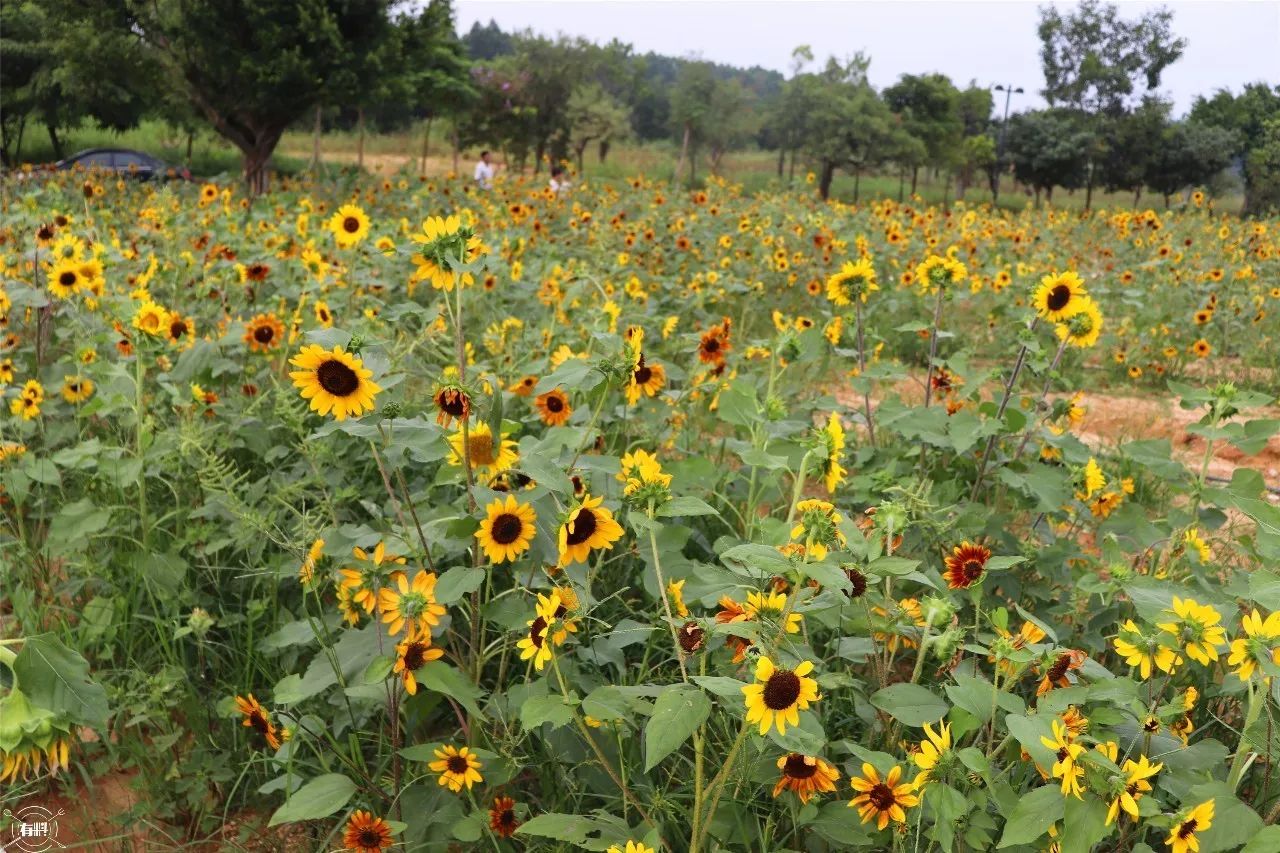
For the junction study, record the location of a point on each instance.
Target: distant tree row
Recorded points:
(251, 70)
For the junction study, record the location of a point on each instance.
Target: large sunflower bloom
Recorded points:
(413, 603)
(1059, 296)
(413, 653)
(366, 833)
(966, 565)
(884, 799)
(806, 775)
(1182, 836)
(349, 225)
(334, 381)
(780, 695)
(457, 767)
(506, 530)
(589, 526)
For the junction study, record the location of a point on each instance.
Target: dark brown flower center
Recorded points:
(264, 334)
(1059, 667)
(1187, 829)
(337, 378)
(506, 528)
(691, 636)
(452, 403)
(554, 404)
(457, 764)
(351, 225)
(259, 722)
(507, 818)
(798, 767)
(67, 279)
(536, 629)
(643, 374)
(1058, 298)
(781, 690)
(882, 797)
(711, 344)
(582, 528)
(415, 656)
(369, 837)
(972, 569)
(177, 328)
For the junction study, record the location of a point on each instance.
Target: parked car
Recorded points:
(126, 163)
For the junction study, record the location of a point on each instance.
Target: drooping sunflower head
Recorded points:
(855, 280)
(452, 403)
(1082, 328)
(335, 381)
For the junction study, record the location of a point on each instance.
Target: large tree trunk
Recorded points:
(782, 161)
(716, 154)
(1088, 193)
(360, 141)
(684, 152)
(902, 183)
(828, 170)
(580, 153)
(315, 140)
(791, 172)
(603, 149)
(915, 174)
(857, 184)
(55, 141)
(1137, 195)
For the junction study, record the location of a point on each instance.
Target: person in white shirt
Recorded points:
(484, 172)
(559, 183)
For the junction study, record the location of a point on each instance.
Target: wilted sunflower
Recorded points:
(366, 833)
(588, 526)
(885, 799)
(780, 695)
(502, 817)
(349, 225)
(457, 767)
(506, 530)
(412, 653)
(452, 402)
(1058, 296)
(553, 407)
(334, 381)
(264, 333)
(966, 564)
(806, 775)
(413, 604)
(307, 571)
(257, 718)
(487, 459)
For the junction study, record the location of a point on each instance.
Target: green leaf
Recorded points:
(606, 703)
(1032, 816)
(686, 505)
(892, 566)
(569, 828)
(319, 798)
(910, 704)
(1264, 841)
(443, 678)
(725, 688)
(755, 561)
(537, 710)
(495, 412)
(975, 695)
(676, 716)
(57, 678)
(457, 582)
(1087, 820)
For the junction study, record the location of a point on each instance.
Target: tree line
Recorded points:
(250, 71)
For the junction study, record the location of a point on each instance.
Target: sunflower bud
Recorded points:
(392, 410)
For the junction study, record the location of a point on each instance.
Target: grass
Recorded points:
(211, 157)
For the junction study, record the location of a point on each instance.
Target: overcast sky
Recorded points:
(1230, 42)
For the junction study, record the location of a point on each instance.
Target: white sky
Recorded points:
(1230, 42)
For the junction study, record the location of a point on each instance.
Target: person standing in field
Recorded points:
(484, 172)
(559, 183)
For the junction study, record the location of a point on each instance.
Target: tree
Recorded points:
(250, 69)
(437, 70)
(929, 106)
(594, 116)
(1187, 154)
(1130, 144)
(486, 43)
(976, 153)
(691, 112)
(1246, 116)
(1094, 60)
(1048, 149)
(1263, 168)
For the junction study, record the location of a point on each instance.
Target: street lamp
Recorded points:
(1009, 92)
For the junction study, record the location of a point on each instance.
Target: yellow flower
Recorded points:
(1081, 329)
(675, 592)
(506, 530)
(589, 526)
(1091, 480)
(1145, 652)
(1066, 753)
(780, 695)
(537, 644)
(488, 459)
(632, 847)
(932, 750)
(334, 381)
(151, 319)
(1182, 836)
(1258, 644)
(854, 281)
(884, 800)
(457, 767)
(806, 775)
(349, 225)
(1197, 627)
(413, 603)
(1059, 296)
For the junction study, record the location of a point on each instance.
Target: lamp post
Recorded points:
(1009, 92)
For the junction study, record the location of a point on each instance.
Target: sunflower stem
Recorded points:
(798, 486)
(1044, 394)
(862, 370)
(716, 788)
(1004, 404)
(666, 601)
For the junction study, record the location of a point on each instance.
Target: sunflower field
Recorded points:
(390, 514)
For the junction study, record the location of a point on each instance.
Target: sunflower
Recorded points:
(854, 281)
(257, 718)
(334, 381)
(264, 333)
(884, 799)
(806, 775)
(27, 408)
(932, 751)
(307, 571)
(412, 653)
(76, 389)
(646, 379)
(631, 847)
(365, 583)
(64, 278)
(715, 343)
(502, 817)
(1258, 645)
(1197, 628)
(483, 453)
(452, 402)
(457, 767)
(180, 330)
(966, 564)
(536, 644)
(1145, 652)
(938, 271)
(1201, 348)
(1067, 753)
(208, 194)
(366, 833)
(413, 603)
(323, 315)
(780, 695)
(1059, 296)
(773, 604)
(506, 530)
(151, 318)
(832, 438)
(1081, 329)
(524, 386)
(1182, 836)
(1136, 774)
(588, 526)
(553, 407)
(350, 225)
